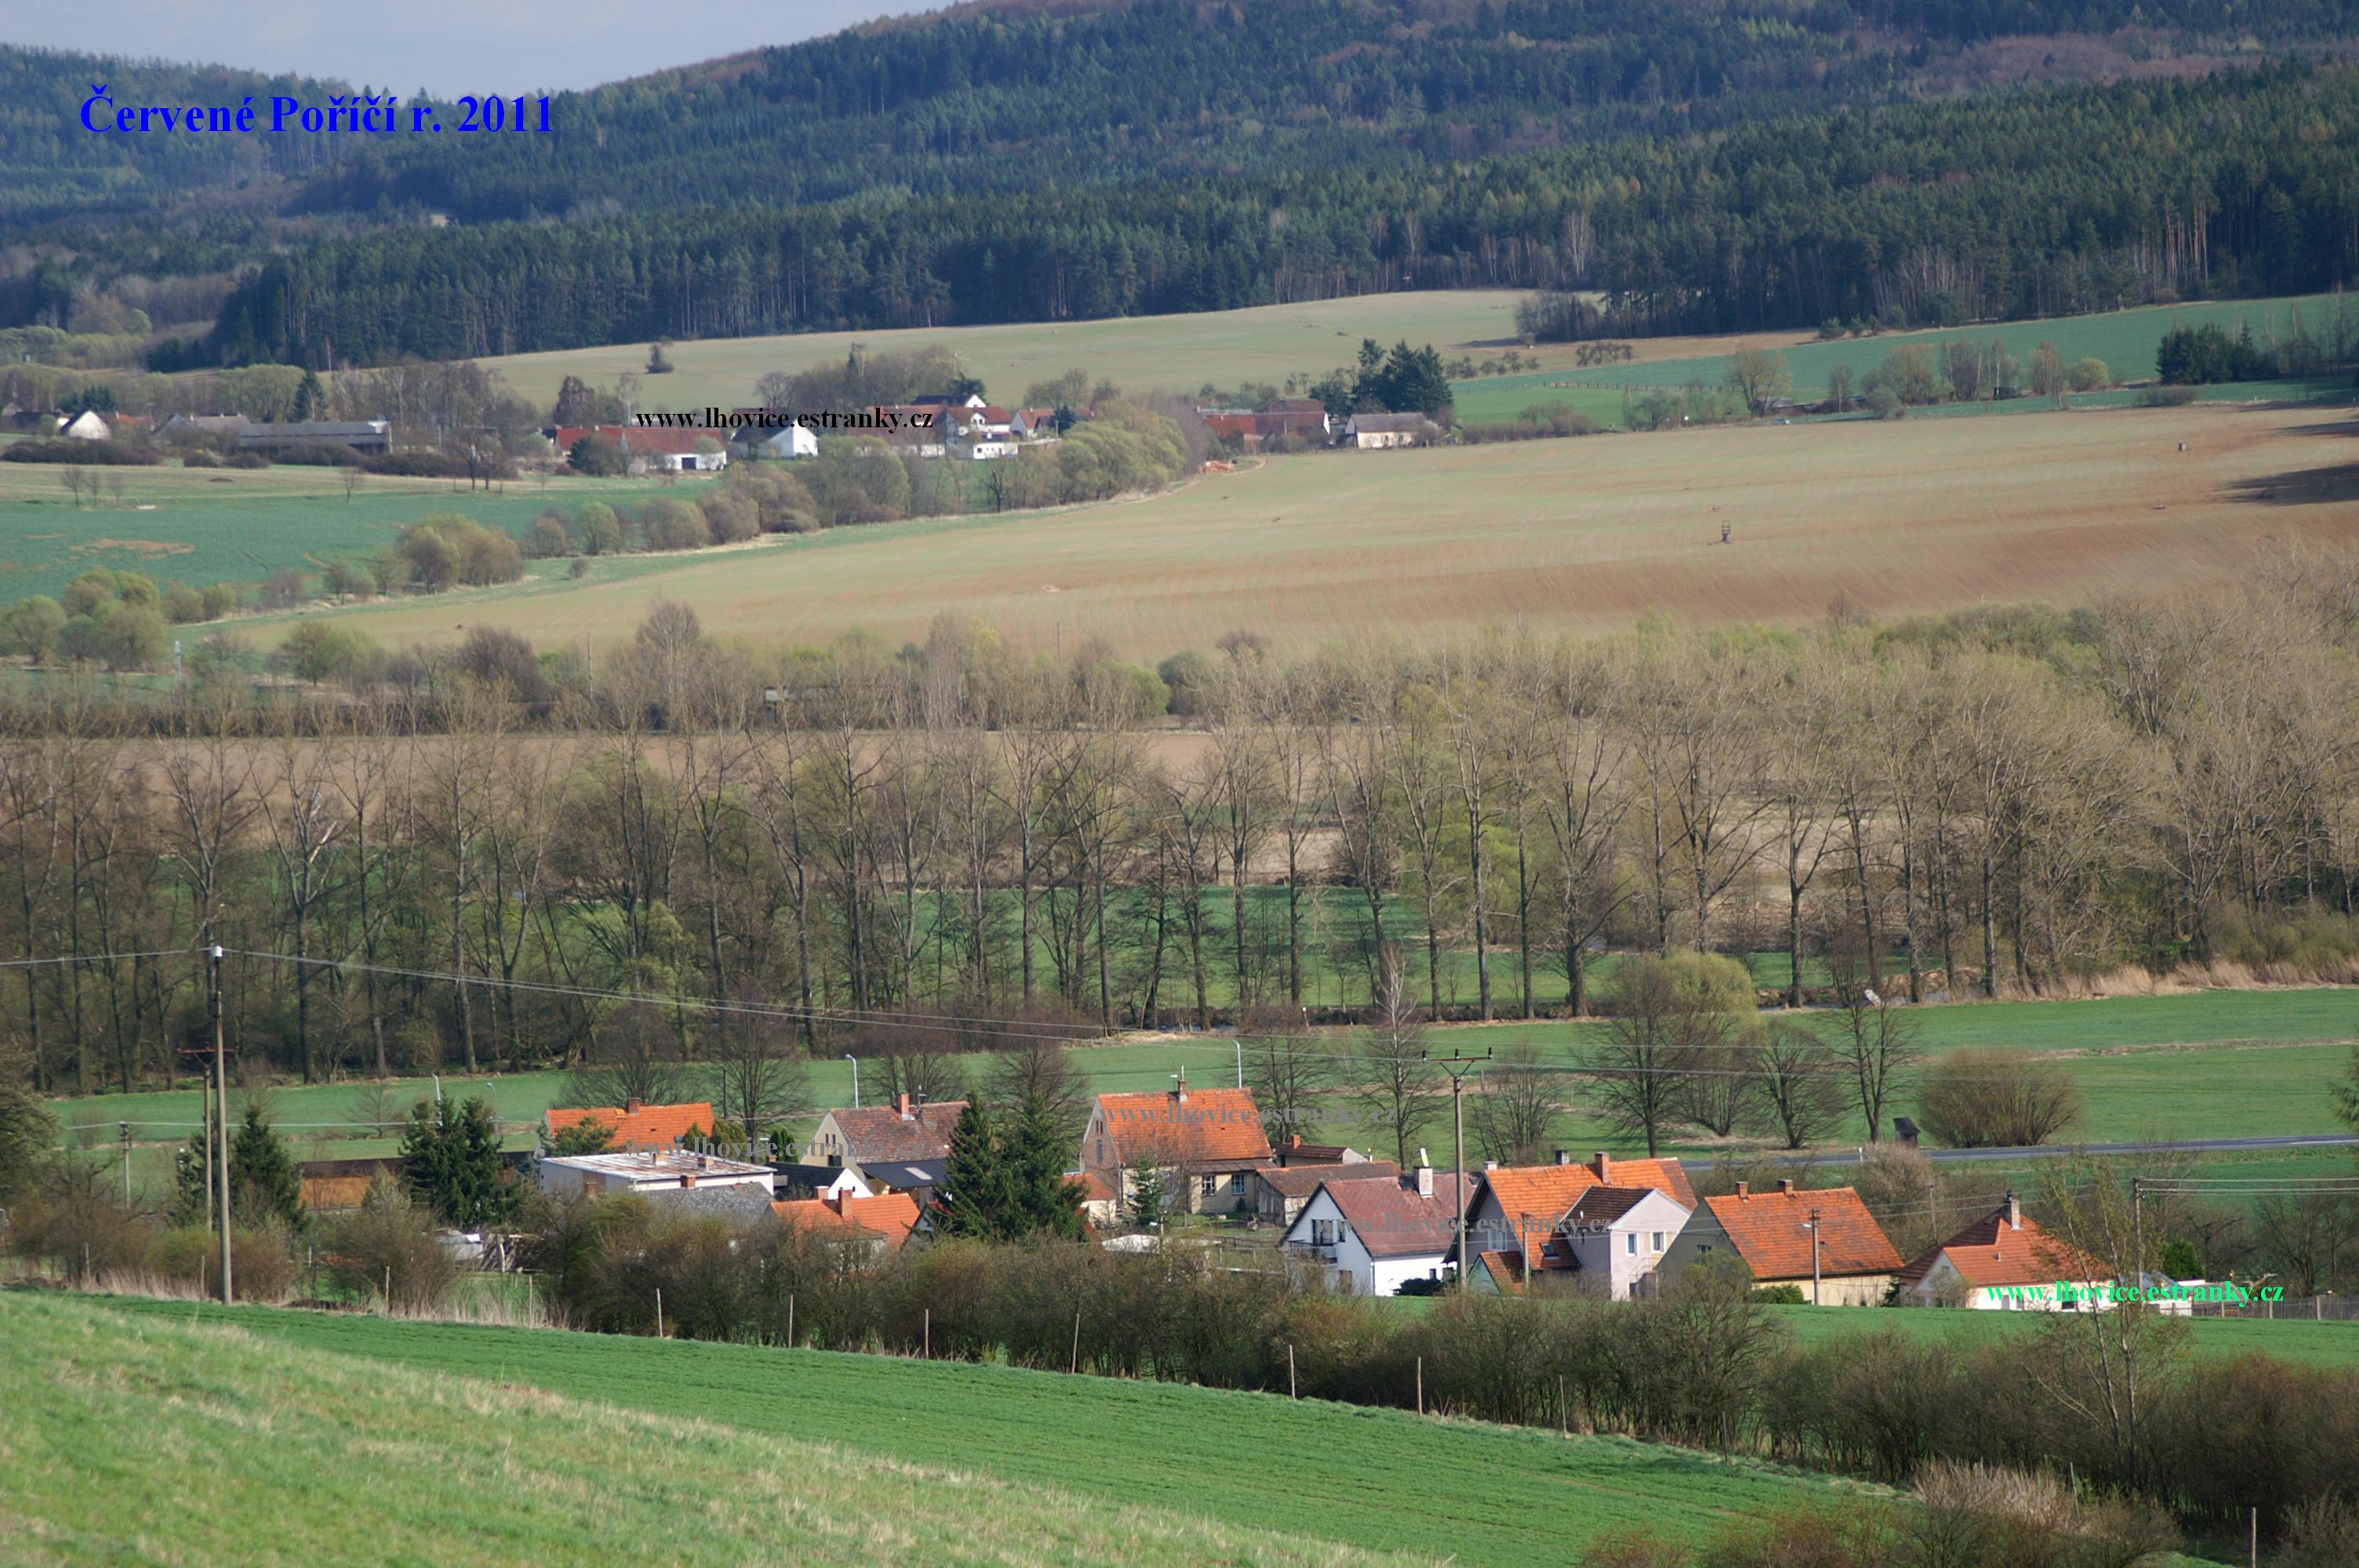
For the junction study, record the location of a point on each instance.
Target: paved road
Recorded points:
(2051, 1151)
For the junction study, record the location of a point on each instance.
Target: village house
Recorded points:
(649, 1173)
(884, 1223)
(1822, 1240)
(783, 442)
(652, 450)
(311, 435)
(901, 1133)
(633, 1125)
(1374, 1237)
(1037, 424)
(1302, 419)
(1612, 1240)
(1295, 1152)
(198, 426)
(1206, 1142)
(1984, 1265)
(1516, 1208)
(940, 401)
(1281, 1190)
(1374, 431)
(799, 1180)
(86, 425)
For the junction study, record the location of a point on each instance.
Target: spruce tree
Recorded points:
(262, 1176)
(976, 1195)
(450, 1162)
(1048, 1202)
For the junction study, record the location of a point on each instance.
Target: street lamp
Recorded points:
(855, 1079)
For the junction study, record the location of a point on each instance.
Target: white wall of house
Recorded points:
(1627, 1254)
(1321, 1233)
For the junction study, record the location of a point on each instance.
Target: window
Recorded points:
(1633, 1239)
(1703, 1250)
(1658, 1241)
(1238, 1184)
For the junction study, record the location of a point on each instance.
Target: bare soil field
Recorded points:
(1582, 534)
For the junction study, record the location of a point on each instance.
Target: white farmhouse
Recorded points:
(1377, 1236)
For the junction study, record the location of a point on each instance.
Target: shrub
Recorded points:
(245, 460)
(1990, 1097)
(93, 454)
(1782, 1296)
(262, 1264)
(389, 1248)
(598, 457)
(2088, 375)
(2166, 397)
(2321, 1533)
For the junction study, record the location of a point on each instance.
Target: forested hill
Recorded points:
(2020, 203)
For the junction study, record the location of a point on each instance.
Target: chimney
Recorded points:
(1424, 1180)
(1180, 1088)
(1295, 1142)
(1744, 1191)
(2014, 1213)
(1564, 1156)
(1603, 1167)
(1490, 1164)
(1785, 1186)
(902, 1104)
(632, 1106)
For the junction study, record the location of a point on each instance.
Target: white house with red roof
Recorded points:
(2002, 1262)
(1374, 1237)
(1612, 1241)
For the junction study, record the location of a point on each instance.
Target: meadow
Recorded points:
(2124, 339)
(1563, 536)
(159, 1439)
(1377, 1480)
(238, 525)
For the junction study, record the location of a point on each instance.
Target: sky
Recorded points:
(446, 47)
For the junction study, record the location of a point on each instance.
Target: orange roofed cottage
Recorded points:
(634, 1125)
(1984, 1265)
(885, 1224)
(1207, 1142)
(1822, 1240)
(1516, 1208)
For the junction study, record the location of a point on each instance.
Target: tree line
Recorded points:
(1989, 803)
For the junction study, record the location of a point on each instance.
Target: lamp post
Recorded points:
(855, 1079)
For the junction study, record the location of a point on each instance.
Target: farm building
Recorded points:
(1613, 1239)
(897, 1134)
(1207, 1142)
(885, 1223)
(649, 1173)
(1295, 1152)
(653, 449)
(1999, 1250)
(86, 425)
(633, 1125)
(193, 426)
(1281, 1190)
(311, 435)
(1299, 418)
(1377, 1236)
(1822, 1240)
(1372, 431)
(785, 442)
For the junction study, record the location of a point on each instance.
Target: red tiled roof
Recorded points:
(1771, 1232)
(1506, 1270)
(1392, 1220)
(638, 438)
(891, 1217)
(1666, 1176)
(1992, 1253)
(1203, 1126)
(879, 1133)
(1094, 1189)
(650, 1126)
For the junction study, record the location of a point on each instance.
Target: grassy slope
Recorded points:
(1578, 536)
(1379, 1479)
(147, 1440)
(2124, 339)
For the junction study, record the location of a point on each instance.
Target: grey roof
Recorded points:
(1376, 424)
(743, 1202)
(904, 1175)
(323, 428)
(1604, 1205)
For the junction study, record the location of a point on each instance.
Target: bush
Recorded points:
(599, 458)
(2166, 397)
(388, 1249)
(262, 1264)
(1781, 1296)
(92, 454)
(2321, 1533)
(2088, 375)
(245, 460)
(198, 457)
(1986, 1097)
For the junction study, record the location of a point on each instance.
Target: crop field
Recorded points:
(208, 526)
(1138, 353)
(2124, 339)
(2301, 1342)
(1581, 534)
(153, 1440)
(1242, 1463)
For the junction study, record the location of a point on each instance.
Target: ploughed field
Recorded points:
(1581, 535)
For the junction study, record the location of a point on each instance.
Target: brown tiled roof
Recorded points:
(1604, 1205)
(1301, 1181)
(1664, 1175)
(1392, 1220)
(1992, 1253)
(879, 1133)
(892, 1217)
(1506, 1270)
(1770, 1232)
(1208, 1126)
(649, 1127)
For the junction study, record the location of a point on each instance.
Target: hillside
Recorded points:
(1373, 1480)
(156, 1439)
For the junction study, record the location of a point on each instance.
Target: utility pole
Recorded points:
(126, 1164)
(221, 1111)
(1457, 1067)
(2137, 1232)
(1813, 1228)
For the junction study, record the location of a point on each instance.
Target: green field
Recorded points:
(2301, 1342)
(154, 1440)
(2124, 339)
(1138, 353)
(238, 525)
(1376, 1479)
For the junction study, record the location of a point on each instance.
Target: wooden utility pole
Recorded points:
(221, 1112)
(1457, 1066)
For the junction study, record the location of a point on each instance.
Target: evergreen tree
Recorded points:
(310, 398)
(263, 1181)
(1047, 1201)
(976, 1195)
(450, 1162)
(1149, 1199)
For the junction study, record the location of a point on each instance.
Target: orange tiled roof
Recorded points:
(1990, 1251)
(1666, 1177)
(650, 1126)
(1770, 1232)
(890, 1217)
(1210, 1125)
